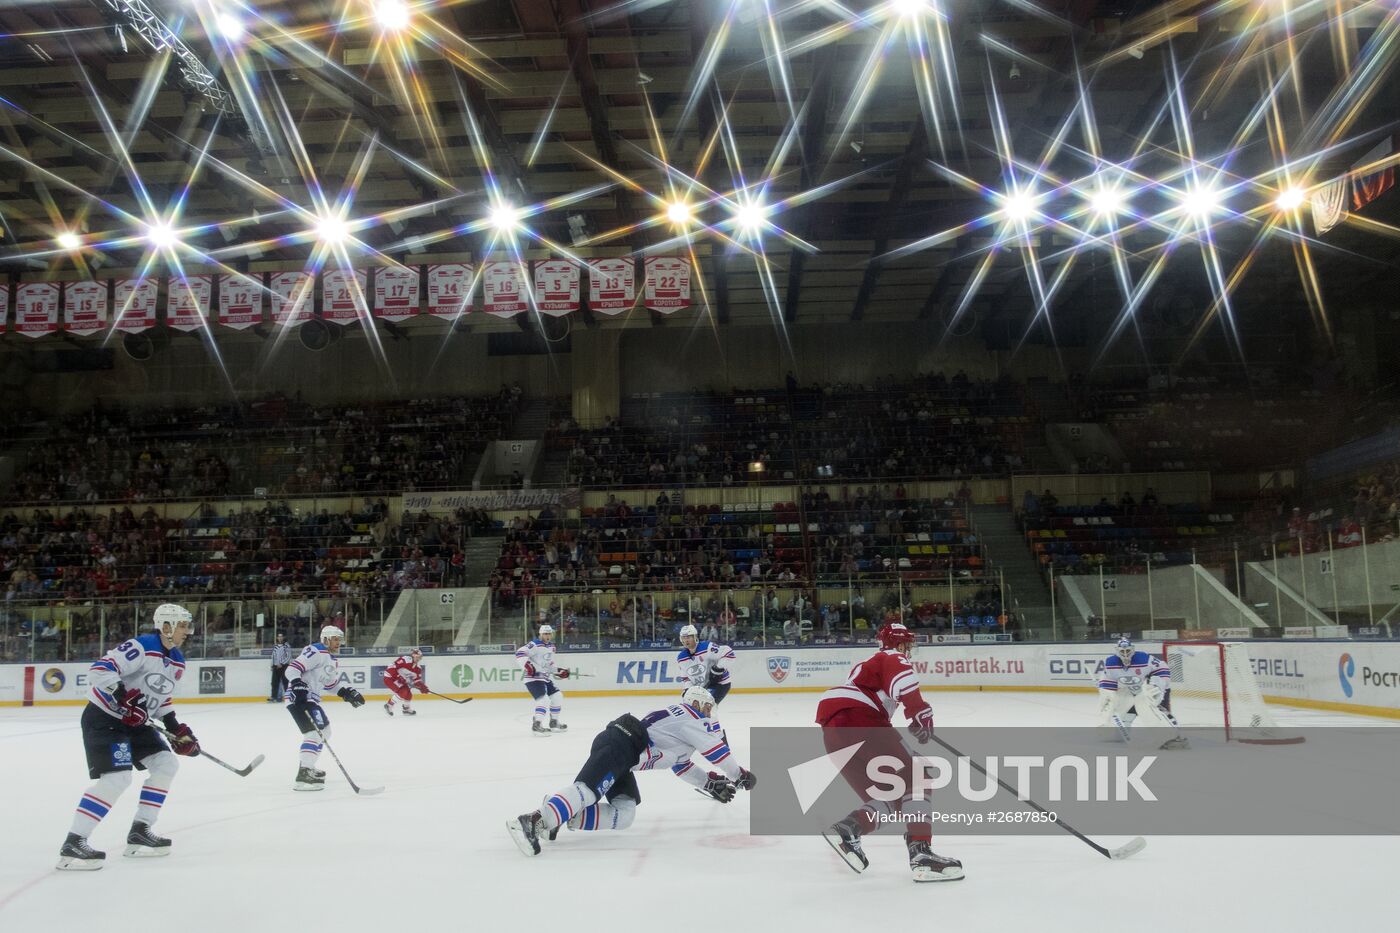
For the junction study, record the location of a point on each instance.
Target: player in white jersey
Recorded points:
(536, 658)
(132, 685)
(1133, 682)
(604, 795)
(310, 675)
(705, 663)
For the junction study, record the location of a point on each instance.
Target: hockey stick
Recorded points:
(1130, 848)
(241, 772)
(362, 791)
(449, 699)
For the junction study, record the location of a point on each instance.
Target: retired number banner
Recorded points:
(396, 292)
(556, 287)
(291, 297)
(503, 285)
(668, 284)
(135, 301)
(612, 284)
(4, 305)
(342, 295)
(85, 307)
(449, 289)
(36, 309)
(240, 301)
(187, 302)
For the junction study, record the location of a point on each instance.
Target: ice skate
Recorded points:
(1175, 742)
(539, 729)
(844, 837)
(388, 709)
(525, 832)
(77, 855)
(928, 865)
(557, 726)
(142, 843)
(410, 712)
(309, 779)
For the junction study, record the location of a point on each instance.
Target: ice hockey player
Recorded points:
(401, 677)
(536, 657)
(604, 795)
(311, 674)
(132, 685)
(1133, 682)
(702, 663)
(859, 711)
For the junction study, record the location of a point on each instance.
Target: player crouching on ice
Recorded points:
(700, 662)
(857, 713)
(536, 657)
(401, 677)
(312, 673)
(605, 794)
(1133, 682)
(131, 684)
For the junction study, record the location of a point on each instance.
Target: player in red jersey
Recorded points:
(401, 677)
(859, 711)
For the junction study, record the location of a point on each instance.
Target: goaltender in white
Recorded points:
(1134, 683)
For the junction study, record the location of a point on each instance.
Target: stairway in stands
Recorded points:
(481, 554)
(1026, 588)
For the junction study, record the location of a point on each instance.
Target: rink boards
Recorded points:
(1356, 677)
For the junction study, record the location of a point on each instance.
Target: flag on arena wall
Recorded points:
(396, 292)
(1367, 186)
(612, 284)
(36, 309)
(291, 297)
(84, 307)
(450, 287)
(135, 301)
(667, 284)
(503, 285)
(1329, 204)
(343, 295)
(240, 301)
(187, 302)
(556, 286)
(4, 305)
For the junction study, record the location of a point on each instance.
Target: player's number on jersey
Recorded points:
(130, 650)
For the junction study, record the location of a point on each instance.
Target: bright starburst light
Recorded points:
(1289, 199)
(332, 230)
(392, 15)
(69, 240)
(678, 213)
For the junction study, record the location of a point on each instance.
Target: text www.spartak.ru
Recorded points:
(951, 668)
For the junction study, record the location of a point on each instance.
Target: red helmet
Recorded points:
(894, 634)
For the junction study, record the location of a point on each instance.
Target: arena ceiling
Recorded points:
(856, 161)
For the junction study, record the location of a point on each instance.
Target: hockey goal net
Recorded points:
(1213, 685)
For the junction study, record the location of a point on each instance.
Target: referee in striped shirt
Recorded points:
(281, 657)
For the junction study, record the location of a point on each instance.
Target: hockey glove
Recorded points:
(530, 670)
(562, 673)
(747, 779)
(132, 706)
(422, 687)
(301, 694)
(352, 696)
(922, 726)
(719, 787)
(183, 742)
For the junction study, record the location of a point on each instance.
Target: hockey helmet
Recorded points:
(701, 699)
(331, 631)
(1125, 650)
(894, 634)
(690, 631)
(546, 630)
(171, 615)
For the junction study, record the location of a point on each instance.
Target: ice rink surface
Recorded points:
(431, 852)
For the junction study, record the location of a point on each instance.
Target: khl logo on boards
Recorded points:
(779, 667)
(1346, 667)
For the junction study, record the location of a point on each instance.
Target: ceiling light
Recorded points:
(1018, 205)
(1200, 201)
(909, 8)
(751, 217)
(69, 240)
(504, 218)
(1107, 201)
(160, 235)
(678, 212)
(392, 15)
(230, 26)
(332, 230)
(1289, 199)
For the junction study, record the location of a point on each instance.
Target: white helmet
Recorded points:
(169, 614)
(546, 630)
(700, 698)
(1125, 650)
(689, 630)
(329, 632)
